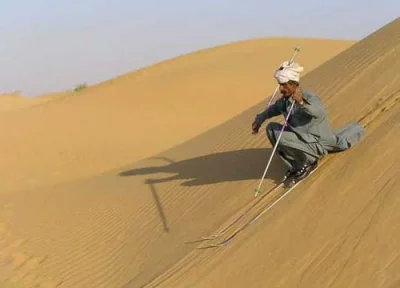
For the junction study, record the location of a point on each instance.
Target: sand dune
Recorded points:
(127, 227)
(14, 101)
(139, 114)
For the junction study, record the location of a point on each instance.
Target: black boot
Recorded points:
(304, 171)
(290, 173)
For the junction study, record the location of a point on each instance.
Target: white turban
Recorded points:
(288, 71)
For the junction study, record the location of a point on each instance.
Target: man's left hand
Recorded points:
(298, 96)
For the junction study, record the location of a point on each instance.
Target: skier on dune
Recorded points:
(307, 136)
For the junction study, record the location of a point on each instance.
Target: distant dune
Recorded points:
(57, 138)
(14, 101)
(113, 181)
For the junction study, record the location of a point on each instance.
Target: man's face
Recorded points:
(287, 89)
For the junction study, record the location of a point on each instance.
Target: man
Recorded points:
(307, 136)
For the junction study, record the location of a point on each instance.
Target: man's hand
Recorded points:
(298, 96)
(255, 126)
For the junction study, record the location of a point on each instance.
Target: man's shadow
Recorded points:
(238, 165)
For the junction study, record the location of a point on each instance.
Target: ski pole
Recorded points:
(257, 190)
(296, 49)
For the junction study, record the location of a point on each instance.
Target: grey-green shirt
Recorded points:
(309, 121)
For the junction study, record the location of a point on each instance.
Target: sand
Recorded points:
(134, 116)
(124, 223)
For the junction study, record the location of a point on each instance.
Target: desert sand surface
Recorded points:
(65, 137)
(128, 226)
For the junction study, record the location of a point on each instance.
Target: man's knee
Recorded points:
(272, 130)
(273, 126)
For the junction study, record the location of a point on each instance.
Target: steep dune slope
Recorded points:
(142, 113)
(127, 227)
(338, 228)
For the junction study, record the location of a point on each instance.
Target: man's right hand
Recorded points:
(255, 126)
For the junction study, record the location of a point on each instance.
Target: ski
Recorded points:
(251, 221)
(285, 192)
(255, 200)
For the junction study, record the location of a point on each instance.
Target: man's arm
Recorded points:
(310, 104)
(273, 110)
(313, 107)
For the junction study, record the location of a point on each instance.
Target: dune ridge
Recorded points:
(127, 227)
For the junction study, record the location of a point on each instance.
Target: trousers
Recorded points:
(292, 150)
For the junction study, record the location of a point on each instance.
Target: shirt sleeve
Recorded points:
(313, 107)
(272, 111)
